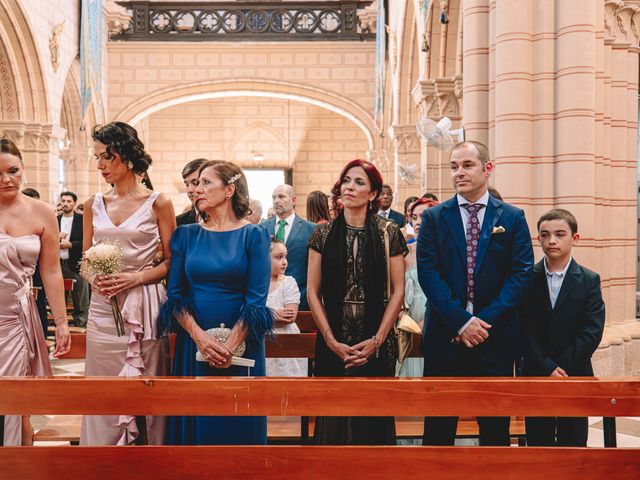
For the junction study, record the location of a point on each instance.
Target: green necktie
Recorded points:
(280, 232)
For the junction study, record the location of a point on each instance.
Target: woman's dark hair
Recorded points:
(230, 173)
(146, 181)
(122, 139)
(375, 179)
(318, 207)
(7, 146)
(407, 204)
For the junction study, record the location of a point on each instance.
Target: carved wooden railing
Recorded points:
(244, 20)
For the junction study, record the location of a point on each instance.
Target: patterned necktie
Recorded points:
(280, 232)
(473, 235)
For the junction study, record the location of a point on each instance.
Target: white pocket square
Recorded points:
(497, 230)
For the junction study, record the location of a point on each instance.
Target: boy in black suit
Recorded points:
(563, 320)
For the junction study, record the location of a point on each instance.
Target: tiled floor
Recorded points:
(628, 429)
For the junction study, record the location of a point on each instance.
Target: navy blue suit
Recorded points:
(565, 336)
(502, 276)
(397, 217)
(297, 252)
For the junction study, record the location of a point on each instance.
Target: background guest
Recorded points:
(283, 300)
(407, 230)
(414, 297)
(318, 207)
(41, 297)
(190, 179)
(294, 232)
(563, 319)
(386, 198)
(139, 220)
(28, 232)
(271, 213)
(70, 224)
(229, 288)
(347, 293)
(255, 215)
(432, 196)
(474, 258)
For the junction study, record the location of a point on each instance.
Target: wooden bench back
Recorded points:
(321, 396)
(291, 345)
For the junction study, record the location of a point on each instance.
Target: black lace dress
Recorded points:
(351, 329)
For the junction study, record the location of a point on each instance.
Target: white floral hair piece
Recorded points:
(234, 179)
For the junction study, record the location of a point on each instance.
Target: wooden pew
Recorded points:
(320, 396)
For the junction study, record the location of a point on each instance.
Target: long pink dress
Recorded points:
(139, 352)
(23, 350)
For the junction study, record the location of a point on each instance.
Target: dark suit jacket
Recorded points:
(297, 252)
(186, 218)
(567, 334)
(397, 217)
(75, 237)
(502, 276)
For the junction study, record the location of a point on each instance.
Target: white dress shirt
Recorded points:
(65, 227)
(464, 213)
(384, 213)
(554, 281)
(287, 227)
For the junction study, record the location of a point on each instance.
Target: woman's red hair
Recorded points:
(375, 179)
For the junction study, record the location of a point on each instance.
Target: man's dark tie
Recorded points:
(473, 235)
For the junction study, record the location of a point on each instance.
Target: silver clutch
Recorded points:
(221, 334)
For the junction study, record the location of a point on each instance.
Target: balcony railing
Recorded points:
(249, 21)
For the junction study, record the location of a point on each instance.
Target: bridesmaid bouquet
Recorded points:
(104, 258)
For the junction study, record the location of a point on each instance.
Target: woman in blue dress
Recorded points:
(219, 274)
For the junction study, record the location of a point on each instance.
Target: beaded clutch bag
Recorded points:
(221, 334)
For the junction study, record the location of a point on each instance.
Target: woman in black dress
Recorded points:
(347, 290)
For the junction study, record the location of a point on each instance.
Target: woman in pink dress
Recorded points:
(28, 232)
(139, 220)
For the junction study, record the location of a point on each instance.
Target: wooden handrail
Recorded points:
(290, 345)
(321, 396)
(330, 462)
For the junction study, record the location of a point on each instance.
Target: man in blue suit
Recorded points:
(475, 265)
(294, 231)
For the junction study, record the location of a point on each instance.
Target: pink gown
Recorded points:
(140, 351)
(23, 350)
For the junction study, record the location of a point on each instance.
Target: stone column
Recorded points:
(475, 52)
(39, 145)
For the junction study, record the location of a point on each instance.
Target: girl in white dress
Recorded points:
(283, 299)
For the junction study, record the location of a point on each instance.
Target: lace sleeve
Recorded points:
(397, 243)
(318, 237)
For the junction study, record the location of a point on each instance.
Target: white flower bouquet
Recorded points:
(104, 258)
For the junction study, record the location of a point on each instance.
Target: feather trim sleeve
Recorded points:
(169, 312)
(258, 319)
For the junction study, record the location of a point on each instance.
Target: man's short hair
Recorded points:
(560, 214)
(31, 192)
(482, 152)
(192, 166)
(431, 196)
(69, 194)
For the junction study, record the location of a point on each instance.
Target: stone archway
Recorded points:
(171, 96)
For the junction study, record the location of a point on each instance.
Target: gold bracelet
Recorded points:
(375, 342)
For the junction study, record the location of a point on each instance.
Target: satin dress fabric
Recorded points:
(141, 352)
(23, 350)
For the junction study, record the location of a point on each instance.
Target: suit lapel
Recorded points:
(491, 217)
(451, 214)
(568, 284)
(295, 228)
(540, 286)
(74, 226)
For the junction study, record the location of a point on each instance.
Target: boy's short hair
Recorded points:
(560, 214)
